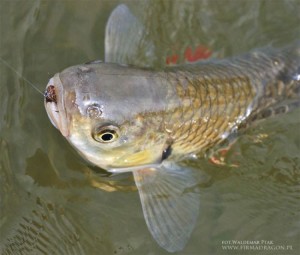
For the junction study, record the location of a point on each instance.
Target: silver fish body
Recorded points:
(124, 118)
(190, 108)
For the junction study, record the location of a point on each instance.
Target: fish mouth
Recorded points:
(54, 105)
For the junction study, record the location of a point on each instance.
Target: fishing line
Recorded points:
(21, 76)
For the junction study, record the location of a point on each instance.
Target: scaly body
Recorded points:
(130, 119)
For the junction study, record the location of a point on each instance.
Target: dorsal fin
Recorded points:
(125, 41)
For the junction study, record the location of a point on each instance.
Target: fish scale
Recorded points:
(224, 95)
(206, 99)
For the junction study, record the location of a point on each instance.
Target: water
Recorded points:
(52, 202)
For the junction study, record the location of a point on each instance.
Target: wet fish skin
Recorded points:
(192, 107)
(161, 117)
(218, 96)
(126, 108)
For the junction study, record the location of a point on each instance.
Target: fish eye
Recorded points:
(106, 134)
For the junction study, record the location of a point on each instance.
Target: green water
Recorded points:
(52, 202)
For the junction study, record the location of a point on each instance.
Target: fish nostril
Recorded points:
(50, 95)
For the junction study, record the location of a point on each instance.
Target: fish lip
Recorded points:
(54, 105)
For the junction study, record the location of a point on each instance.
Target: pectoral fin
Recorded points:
(170, 204)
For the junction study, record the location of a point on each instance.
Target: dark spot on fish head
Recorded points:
(50, 94)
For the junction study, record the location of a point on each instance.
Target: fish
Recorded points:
(126, 118)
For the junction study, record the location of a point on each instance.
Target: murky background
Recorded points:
(52, 202)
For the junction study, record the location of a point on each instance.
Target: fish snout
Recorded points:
(54, 108)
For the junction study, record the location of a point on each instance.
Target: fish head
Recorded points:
(109, 114)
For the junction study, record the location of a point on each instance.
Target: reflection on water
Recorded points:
(52, 202)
